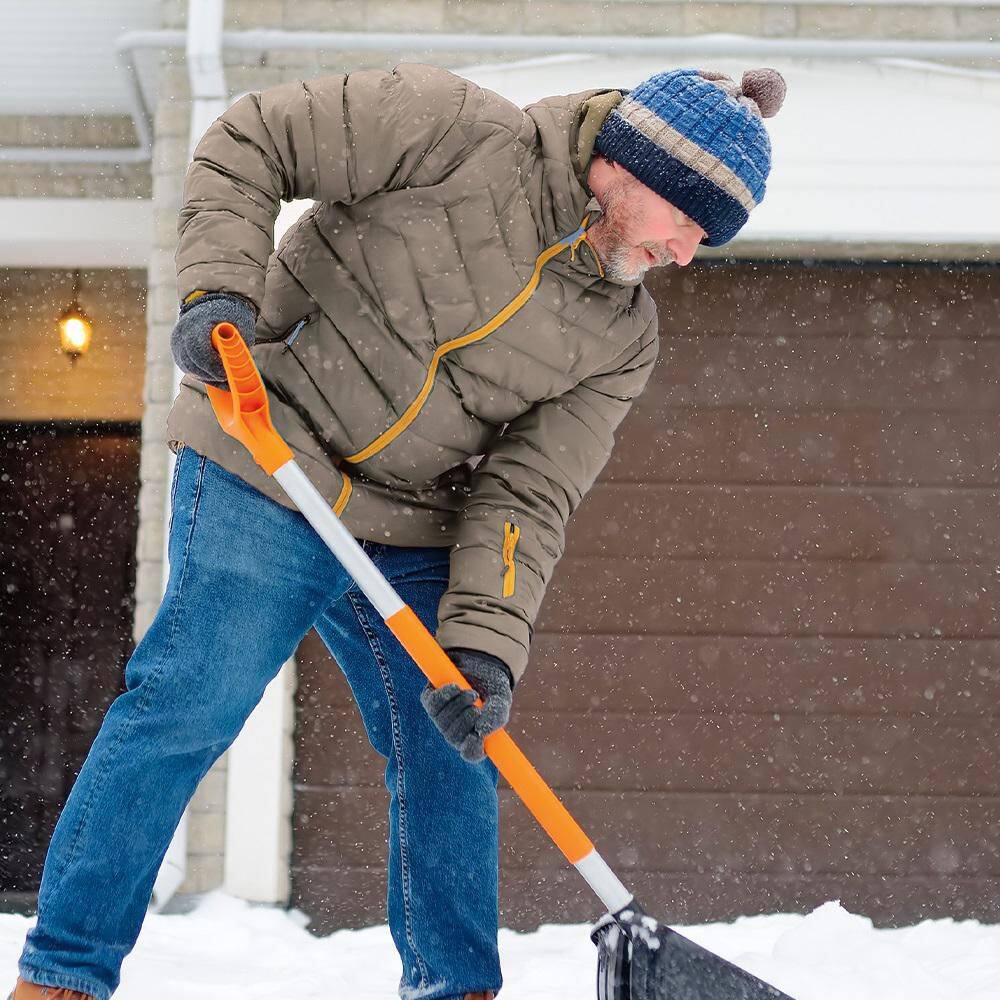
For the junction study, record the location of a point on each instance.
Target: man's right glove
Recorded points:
(191, 341)
(464, 725)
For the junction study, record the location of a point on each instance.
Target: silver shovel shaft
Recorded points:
(387, 603)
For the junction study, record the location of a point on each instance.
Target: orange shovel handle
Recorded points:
(521, 775)
(242, 409)
(243, 413)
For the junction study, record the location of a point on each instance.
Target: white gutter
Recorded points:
(265, 39)
(209, 97)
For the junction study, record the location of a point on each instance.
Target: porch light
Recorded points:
(75, 328)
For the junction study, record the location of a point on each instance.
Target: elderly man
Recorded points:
(449, 337)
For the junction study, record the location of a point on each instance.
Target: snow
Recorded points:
(231, 950)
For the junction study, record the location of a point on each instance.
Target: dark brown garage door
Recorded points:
(67, 573)
(767, 671)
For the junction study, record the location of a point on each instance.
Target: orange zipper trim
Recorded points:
(511, 533)
(515, 305)
(345, 495)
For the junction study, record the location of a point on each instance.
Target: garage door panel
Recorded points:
(823, 834)
(778, 598)
(836, 372)
(661, 443)
(768, 522)
(686, 751)
(758, 299)
(696, 832)
(827, 675)
(735, 753)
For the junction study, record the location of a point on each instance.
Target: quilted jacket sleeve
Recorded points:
(337, 138)
(527, 487)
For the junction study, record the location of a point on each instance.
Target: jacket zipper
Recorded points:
(511, 533)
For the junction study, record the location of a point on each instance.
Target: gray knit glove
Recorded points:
(191, 341)
(463, 724)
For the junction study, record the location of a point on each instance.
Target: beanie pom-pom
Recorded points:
(766, 88)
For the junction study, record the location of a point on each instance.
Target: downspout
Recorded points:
(209, 98)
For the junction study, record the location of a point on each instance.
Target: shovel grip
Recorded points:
(521, 775)
(242, 409)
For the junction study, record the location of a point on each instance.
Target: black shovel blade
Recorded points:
(639, 959)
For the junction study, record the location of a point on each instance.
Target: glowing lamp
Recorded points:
(75, 328)
(75, 331)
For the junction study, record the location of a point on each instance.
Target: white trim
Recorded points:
(258, 798)
(604, 882)
(75, 232)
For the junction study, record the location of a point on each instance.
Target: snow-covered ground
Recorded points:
(229, 950)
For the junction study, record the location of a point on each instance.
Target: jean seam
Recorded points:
(72, 851)
(397, 746)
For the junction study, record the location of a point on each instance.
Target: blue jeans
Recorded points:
(248, 579)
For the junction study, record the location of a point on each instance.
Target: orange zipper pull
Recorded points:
(511, 533)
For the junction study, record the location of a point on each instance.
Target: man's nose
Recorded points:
(683, 249)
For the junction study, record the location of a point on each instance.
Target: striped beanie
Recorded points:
(696, 138)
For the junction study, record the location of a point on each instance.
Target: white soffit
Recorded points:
(888, 151)
(57, 57)
(75, 232)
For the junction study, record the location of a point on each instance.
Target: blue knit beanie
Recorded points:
(696, 138)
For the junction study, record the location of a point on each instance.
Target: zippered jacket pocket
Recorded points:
(511, 533)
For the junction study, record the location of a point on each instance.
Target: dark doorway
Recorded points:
(68, 522)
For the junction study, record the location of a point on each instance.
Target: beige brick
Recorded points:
(646, 19)
(508, 18)
(779, 21)
(978, 23)
(150, 540)
(243, 14)
(325, 15)
(149, 582)
(162, 390)
(172, 117)
(414, 15)
(153, 463)
(161, 301)
(210, 799)
(736, 19)
(170, 154)
(203, 874)
(834, 21)
(145, 614)
(154, 421)
(206, 832)
(937, 23)
(564, 18)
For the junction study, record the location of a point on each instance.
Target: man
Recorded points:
(449, 337)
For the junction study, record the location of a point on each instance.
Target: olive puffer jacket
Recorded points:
(441, 349)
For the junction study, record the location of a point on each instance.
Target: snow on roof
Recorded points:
(867, 151)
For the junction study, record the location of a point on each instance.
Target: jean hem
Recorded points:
(60, 980)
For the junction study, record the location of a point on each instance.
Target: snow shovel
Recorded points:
(638, 958)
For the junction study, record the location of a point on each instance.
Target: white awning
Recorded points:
(886, 152)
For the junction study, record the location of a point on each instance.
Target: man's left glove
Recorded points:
(191, 341)
(464, 725)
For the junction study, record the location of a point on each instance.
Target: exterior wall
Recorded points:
(70, 180)
(942, 21)
(40, 381)
(763, 674)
